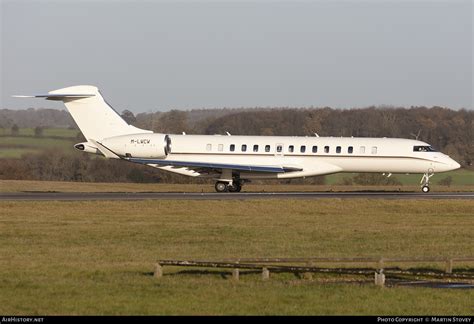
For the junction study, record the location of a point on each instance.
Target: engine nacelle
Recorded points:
(144, 145)
(87, 147)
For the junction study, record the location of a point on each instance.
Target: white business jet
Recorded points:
(234, 160)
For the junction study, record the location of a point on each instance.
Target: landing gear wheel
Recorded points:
(236, 187)
(222, 186)
(425, 189)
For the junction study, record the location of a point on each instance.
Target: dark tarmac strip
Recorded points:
(80, 196)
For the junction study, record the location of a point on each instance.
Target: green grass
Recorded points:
(15, 153)
(15, 147)
(36, 142)
(97, 257)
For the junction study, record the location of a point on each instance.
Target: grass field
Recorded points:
(16, 146)
(64, 186)
(97, 257)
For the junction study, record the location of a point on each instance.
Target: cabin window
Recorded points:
(220, 147)
(350, 149)
(291, 148)
(303, 148)
(244, 147)
(208, 147)
(338, 149)
(374, 149)
(423, 149)
(232, 147)
(315, 149)
(362, 150)
(326, 149)
(255, 148)
(267, 148)
(279, 148)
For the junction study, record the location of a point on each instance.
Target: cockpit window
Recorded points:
(423, 149)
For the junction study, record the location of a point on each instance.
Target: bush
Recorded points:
(446, 181)
(347, 181)
(38, 131)
(15, 130)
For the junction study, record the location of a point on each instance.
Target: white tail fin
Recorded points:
(96, 119)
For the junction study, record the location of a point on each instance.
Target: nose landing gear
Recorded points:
(425, 181)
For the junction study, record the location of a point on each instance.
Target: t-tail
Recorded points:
(96, 119)
(93, 115)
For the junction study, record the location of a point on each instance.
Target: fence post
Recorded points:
(265, 274)
(235, 274)
(380, 279)
(158, 271)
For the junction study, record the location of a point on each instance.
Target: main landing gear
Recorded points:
(425, 181)
(222, 186)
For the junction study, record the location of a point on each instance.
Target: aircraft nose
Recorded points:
(456, 165)
(453, 165)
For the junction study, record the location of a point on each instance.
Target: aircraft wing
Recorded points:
(212, 165)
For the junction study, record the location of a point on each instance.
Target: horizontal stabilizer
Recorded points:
(60, 97)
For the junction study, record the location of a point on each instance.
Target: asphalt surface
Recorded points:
(80, 196)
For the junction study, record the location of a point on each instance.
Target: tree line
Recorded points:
(448, 130)
(31, 118)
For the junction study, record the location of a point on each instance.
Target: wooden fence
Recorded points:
(309, 266)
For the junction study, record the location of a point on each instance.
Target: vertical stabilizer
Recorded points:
(93, 115)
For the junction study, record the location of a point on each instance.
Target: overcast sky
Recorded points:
(161, 55)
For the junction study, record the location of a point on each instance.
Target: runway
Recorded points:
(81, 196)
